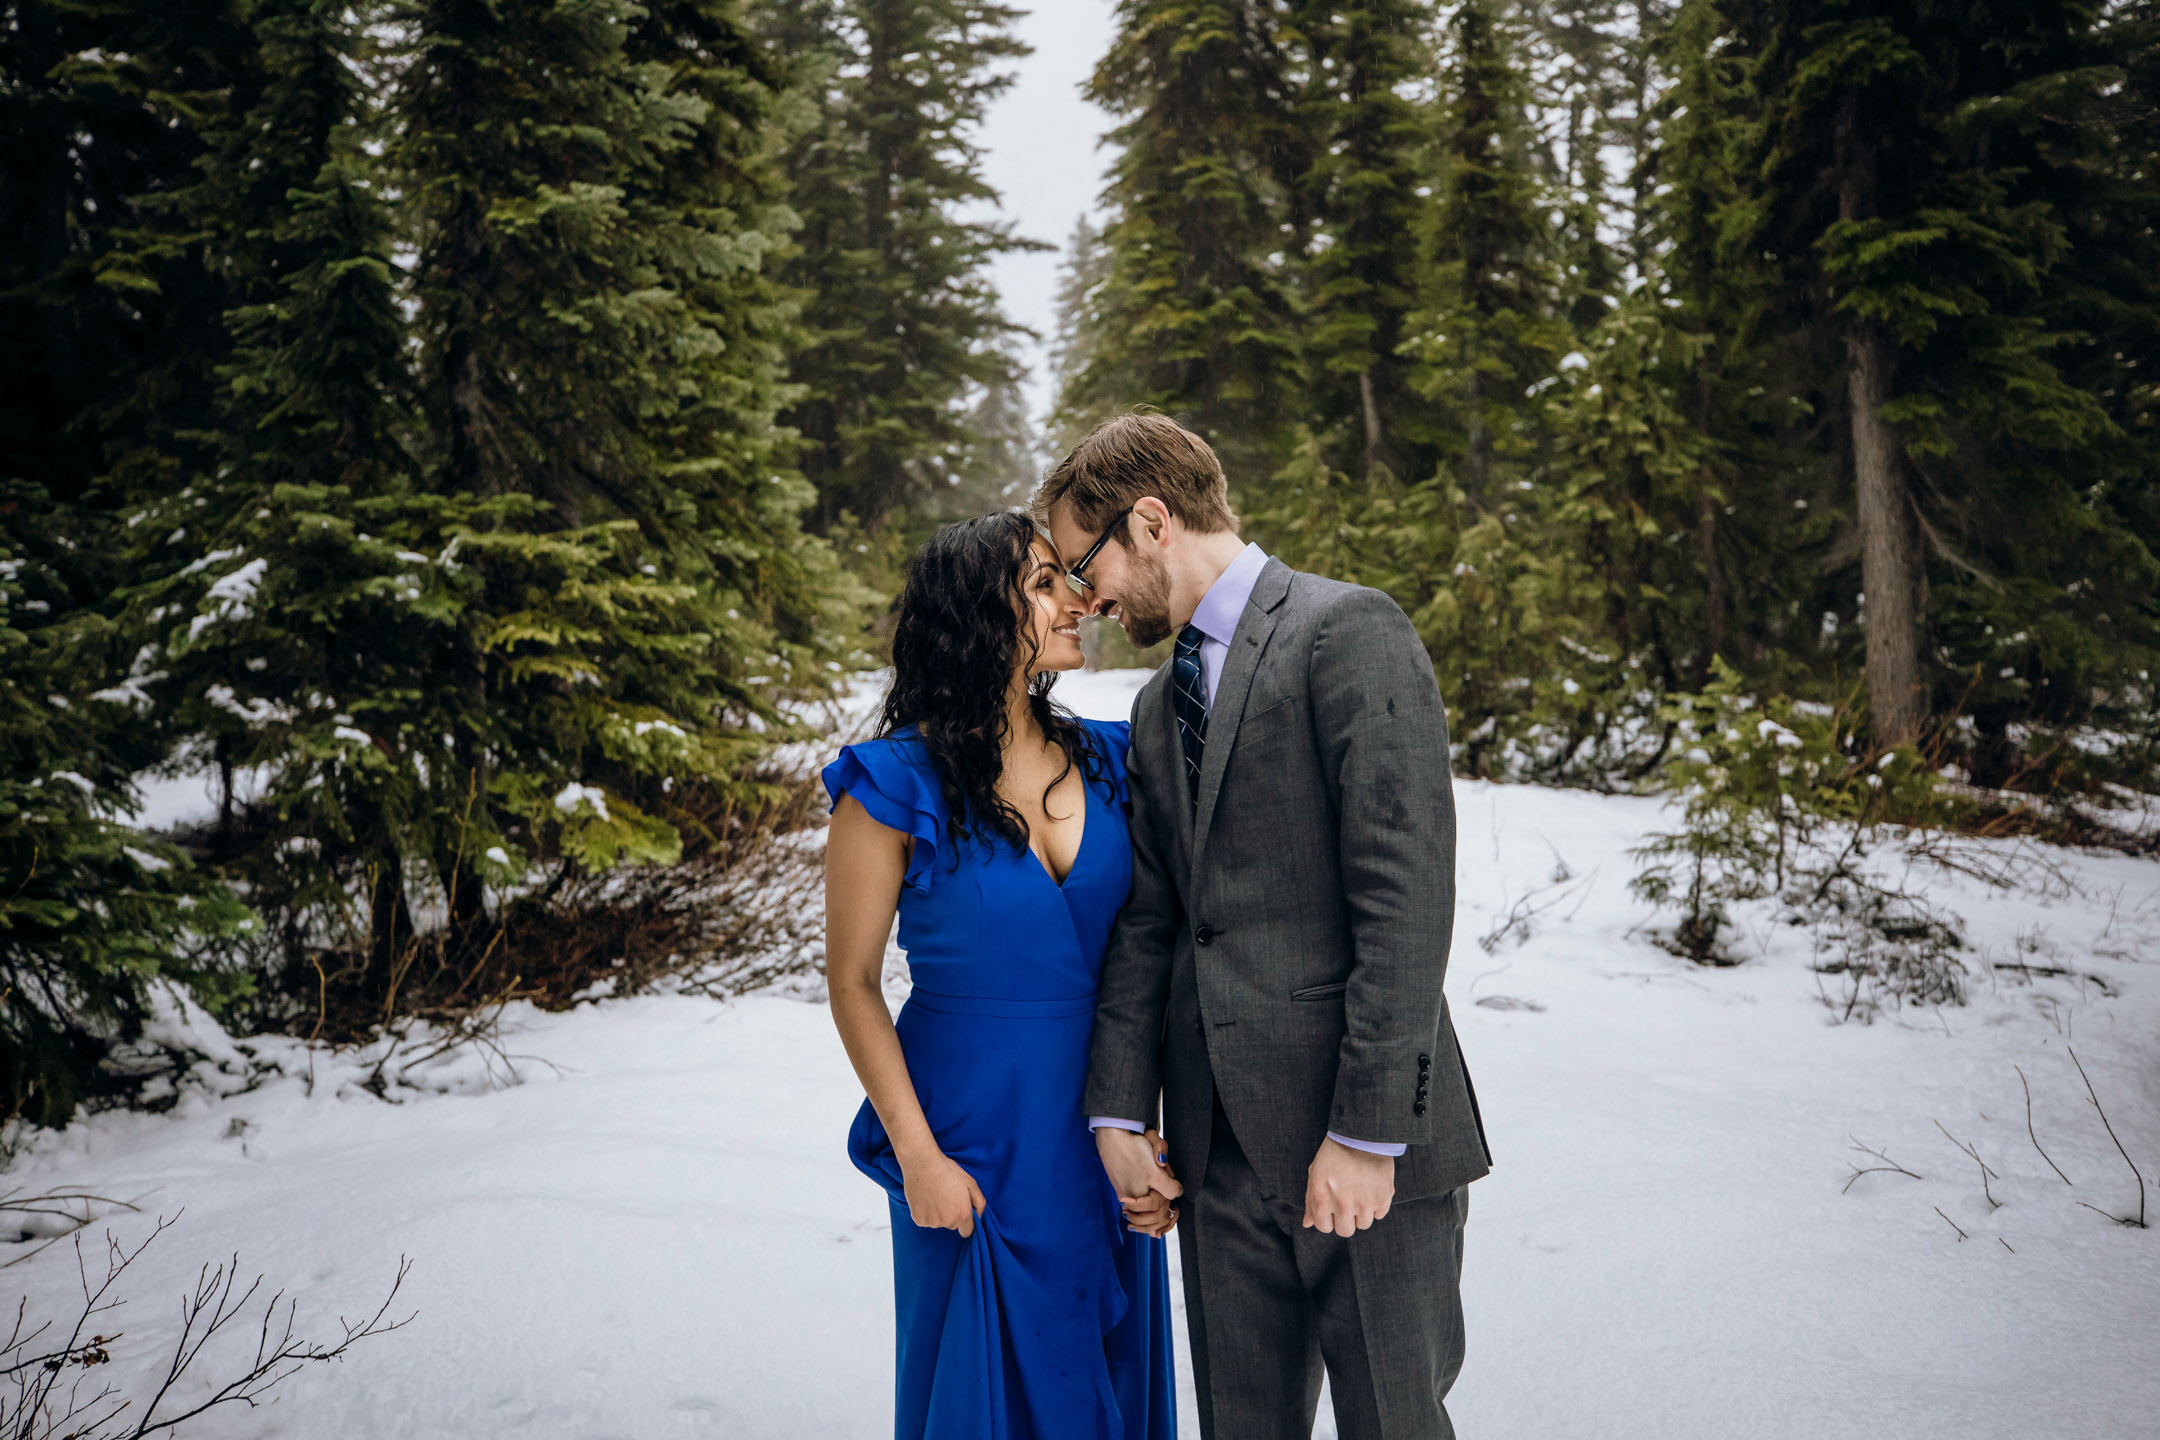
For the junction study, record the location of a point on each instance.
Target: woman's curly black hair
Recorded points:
(959, 632)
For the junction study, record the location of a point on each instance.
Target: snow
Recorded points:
(655, 1232)
(573, 795)
(145, 859)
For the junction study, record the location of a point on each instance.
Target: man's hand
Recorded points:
(1134, 1163)
(1346, 1190)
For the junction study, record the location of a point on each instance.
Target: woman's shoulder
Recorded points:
(1109, 738)
(895, 780)
(1110, 741)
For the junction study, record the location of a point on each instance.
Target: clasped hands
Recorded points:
(1141, 1176)
(1346, 1190)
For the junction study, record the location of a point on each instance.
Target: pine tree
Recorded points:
(91, 911)
(904, 333)
(588, 445)
(112, 326)
(1919, 161)
(1198, 314)
(1646, 419)
(1082, 333)
(1366, 207)
(1490, 329)
(1587, 78)
(291, 616)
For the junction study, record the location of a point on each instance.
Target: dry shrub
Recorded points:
(739, 911)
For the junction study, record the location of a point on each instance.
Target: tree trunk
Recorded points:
(1372, 421)
(1477, 466)
(1890, 568)
(1714, 588)
(1890, 563)
(390, 922)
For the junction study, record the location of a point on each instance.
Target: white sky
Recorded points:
(1041, 155)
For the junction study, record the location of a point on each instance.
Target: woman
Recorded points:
(1030, 1307)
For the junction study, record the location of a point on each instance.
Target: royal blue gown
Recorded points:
(1053, 1321)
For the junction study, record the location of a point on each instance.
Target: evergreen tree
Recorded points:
(579, 383)
(1082, 334)
(1365, 206)
(1588, 78)
(904, 334)
(1491, 329)
(1000, 468)
(111, 319)
(91, 911)
(1647, 419)
(291, 614)
(1198, 314)
(1918, 163)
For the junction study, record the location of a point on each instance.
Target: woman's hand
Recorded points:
(941, 1195)
(1152, 1214)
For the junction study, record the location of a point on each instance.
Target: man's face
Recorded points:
(1132, 586)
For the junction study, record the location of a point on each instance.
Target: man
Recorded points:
(1275, 977)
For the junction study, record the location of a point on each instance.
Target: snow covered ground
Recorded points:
(656, 1233)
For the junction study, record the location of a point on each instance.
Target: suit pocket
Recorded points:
(1321, 992)
(1257, 725)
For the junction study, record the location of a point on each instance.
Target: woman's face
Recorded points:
(1052, 620)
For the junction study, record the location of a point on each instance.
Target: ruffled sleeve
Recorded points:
(893, 781)
(1112, 741)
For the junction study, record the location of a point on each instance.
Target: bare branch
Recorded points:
(2091, 1095)
(2029, 1126)
(1985, 1173)
(1888, 1166)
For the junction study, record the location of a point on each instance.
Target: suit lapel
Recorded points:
(1170, 758)
(1255, 626)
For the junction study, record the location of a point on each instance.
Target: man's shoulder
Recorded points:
(1317, 598)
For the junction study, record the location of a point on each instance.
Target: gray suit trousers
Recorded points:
(1381, 1310)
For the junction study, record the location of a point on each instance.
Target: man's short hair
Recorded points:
(1128, 457)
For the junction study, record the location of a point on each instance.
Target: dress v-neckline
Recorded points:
(1087, 796)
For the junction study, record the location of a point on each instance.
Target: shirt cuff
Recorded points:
(1370, 1147)
(1104, 1122)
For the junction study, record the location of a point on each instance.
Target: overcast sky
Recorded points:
(1041, 155)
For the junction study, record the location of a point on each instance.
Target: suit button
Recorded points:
(1203, 933)
(1418, 1108)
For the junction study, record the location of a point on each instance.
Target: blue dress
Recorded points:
(1053, 1321)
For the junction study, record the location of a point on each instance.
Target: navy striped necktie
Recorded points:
(1188, 694)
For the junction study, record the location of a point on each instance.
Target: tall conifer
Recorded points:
(565, 280)
(112, 327)
(1198, 313)
(904, 331)
(1920, 162)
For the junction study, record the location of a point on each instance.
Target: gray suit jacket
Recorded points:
(1286, 939)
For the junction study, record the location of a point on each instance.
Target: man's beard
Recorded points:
(1144, 608)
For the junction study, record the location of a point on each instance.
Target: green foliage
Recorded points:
(629, 594)
(1783, 800)
(91, 910)
(1196, 313)
(397, 439)
(1919, 172)
(906, 350)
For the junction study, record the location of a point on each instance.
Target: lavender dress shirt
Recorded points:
(1216, 616)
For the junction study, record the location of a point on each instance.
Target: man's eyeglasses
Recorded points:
(1076, 573)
